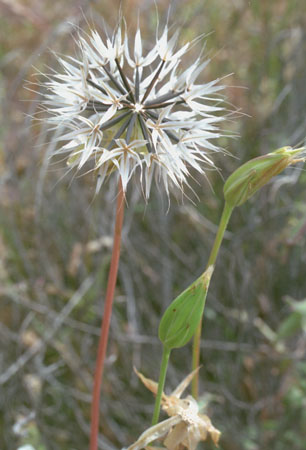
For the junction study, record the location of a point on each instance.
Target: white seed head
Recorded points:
(140, 114)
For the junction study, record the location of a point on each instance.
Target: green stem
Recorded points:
(226, 214)
(161, 383)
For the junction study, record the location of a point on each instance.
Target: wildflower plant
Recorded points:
(128, 112)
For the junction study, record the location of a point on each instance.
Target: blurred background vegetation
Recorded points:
(55, 242)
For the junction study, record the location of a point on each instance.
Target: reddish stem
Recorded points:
(112, 278)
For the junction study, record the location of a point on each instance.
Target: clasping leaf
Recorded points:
(182, 317)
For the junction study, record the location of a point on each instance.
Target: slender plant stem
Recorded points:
(196, 359)
(226, 214)
(112, 278)
(161, 383)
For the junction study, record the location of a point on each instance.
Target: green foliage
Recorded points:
(183, 315)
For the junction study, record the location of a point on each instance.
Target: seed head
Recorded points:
(133, 112)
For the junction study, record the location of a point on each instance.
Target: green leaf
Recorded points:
(182, 317)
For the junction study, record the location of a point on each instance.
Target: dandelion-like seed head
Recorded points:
(134, 112)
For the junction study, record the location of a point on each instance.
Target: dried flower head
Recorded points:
(186, 426)
(130, 111)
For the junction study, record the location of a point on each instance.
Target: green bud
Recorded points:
(182, 317)
(254, 174)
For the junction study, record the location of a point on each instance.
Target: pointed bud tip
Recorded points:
(254, 174)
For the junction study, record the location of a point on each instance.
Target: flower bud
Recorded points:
(254, 174)
(182, 317)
